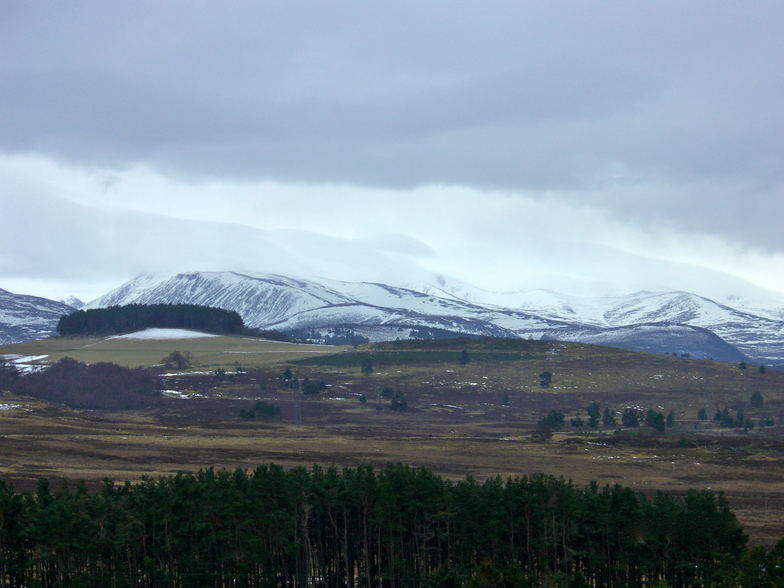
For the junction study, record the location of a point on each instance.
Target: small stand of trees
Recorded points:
(313, 386)
(135, 317)
(309, 387)
(99, 386)
(398, 400)
(260, 409)
(739, 421)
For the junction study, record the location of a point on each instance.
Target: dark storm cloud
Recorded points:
(666, 112)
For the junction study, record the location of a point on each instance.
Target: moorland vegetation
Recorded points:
(454, 406)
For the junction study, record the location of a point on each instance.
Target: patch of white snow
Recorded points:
(162, 334)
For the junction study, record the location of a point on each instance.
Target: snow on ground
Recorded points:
(159, 334)
(178, 394)
(14, 358)
(10, 406)
(25, 363)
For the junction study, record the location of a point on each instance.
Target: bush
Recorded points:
(314, 387)
(260, 409)
(399, 403)
(542, 433)
(554, 420)
(177, 360)
(265, 409)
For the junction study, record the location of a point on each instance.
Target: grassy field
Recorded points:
(206, 352)
(475, 419)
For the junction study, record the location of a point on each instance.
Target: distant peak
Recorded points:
(73, 301)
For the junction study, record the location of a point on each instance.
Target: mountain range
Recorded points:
(325, 310)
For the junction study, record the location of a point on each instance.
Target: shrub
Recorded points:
(177, 360)
(399, 403)
(314, 387)
(554, 420)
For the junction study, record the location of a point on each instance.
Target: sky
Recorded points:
(589, 147)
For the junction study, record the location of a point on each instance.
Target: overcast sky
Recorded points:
(592, 147)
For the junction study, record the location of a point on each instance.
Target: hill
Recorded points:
(24, 318)
(674, 322)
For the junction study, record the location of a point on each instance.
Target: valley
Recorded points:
(477, 419)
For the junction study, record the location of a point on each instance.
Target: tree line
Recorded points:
(134, 317)
(397, 526)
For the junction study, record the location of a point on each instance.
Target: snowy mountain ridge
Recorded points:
(653, 321)
(26, 318)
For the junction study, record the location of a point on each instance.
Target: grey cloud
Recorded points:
(42, 234)
(526, 96)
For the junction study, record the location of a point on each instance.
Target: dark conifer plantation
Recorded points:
(399, 526)
(135, 317)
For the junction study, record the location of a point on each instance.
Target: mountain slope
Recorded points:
(26, 318)
(673, 322)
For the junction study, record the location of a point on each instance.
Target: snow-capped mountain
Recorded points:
(73, 302)
(25, 318)
(674, 322)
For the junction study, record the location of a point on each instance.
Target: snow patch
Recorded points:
(178, 394)
(26, 363)
(163, 334)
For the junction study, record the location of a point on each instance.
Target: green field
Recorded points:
(207, 352)
(475, 419)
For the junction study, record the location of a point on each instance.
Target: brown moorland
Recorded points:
(475, 419)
